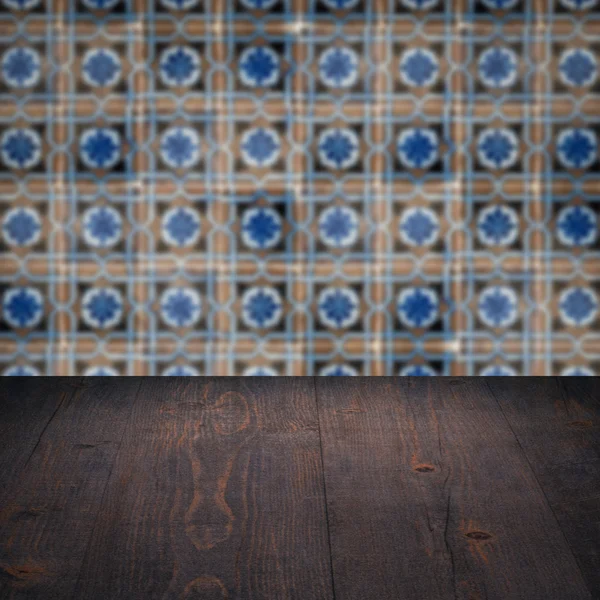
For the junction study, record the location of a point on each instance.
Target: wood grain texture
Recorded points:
(557, 423)
(430, 496)
(49, 512)
(217, 493)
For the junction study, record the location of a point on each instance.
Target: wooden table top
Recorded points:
(300, 488)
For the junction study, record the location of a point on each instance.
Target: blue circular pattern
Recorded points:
(259, 4)
(179, 4)
(101, 372)
(500, 4)
(577, 148)
(20, 4)
(102, 227)
(180, 227)
(21, 148)
(339, 227)
(498, 67)
(261, 228)
(498, 371)
(180, 147)
(578, 67)
(418, 148)
(262, 307)
(419, 227)
(180, 371)
(21, 67)
(23, 307)
(20, 371)
(21, 227)
(498, 148)
(101, 4)
(338, 67)
(101, 67)
(419, 67)
(577, 226)
(338, 371)
(259, 67)
(419, 4)
(340, 4)
(180, 306)
(338, 148)
(497, 226)
(179, 66)
(579, 4)
(417, 371)
(102, 308)
(261, 147)
(498, 306)
(338, 307)
(578, 372)
(260, 372)
(100, 148)
(418, 307)
(578, 306)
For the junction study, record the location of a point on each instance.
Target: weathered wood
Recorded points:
(557, 423)
(217, 493)
(26, 408)
(430, 496)
(48, 516)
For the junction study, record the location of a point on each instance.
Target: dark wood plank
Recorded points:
(430, 496)
(217, 493)
(557, 422)
(26, 407)
(49, 515)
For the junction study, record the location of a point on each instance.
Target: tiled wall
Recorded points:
(299, 187)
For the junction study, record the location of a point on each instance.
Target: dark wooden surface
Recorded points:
(300, 488)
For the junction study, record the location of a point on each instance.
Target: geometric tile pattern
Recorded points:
(299, 187)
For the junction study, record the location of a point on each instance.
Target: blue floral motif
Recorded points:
(180, 371)
(418, 148)
(577, 226)
(181, 227)
(577, 148)
(340, 4)
(261, 228)
(21, 67)
(419, 227)
(498, 148)
(338, 226)
(418, 307)
(262, 307)
(498, 306)
(179, 66)
(180, 306)
(21, 371)
(419, 67)
(417, 371)
(498, 371)
(419, 4)
(21, 148)
(100, 148)
(260, 372)
(21, 4)
(101, 67)
(179, 4)
(578, 67)
(338, 148)
(102, 308)
(21, 227)
(259, 4)
(23, 307)
(579, 4)
(338, 307)
(102, 227)
(259, 67)
(338, 371)
(180, 147)
(260, 147)
(497, 226)
(101, 372)
(498, 67)
(500, 4)
(338, 67)
(578, 306)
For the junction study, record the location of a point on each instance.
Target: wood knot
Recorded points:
(424, 468)
(478, 535)
(581, 424)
